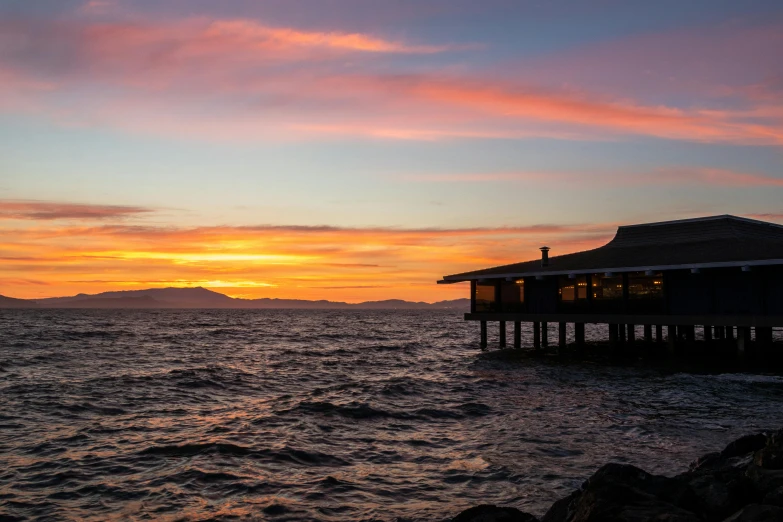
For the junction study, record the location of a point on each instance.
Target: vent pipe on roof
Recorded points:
(544, 255)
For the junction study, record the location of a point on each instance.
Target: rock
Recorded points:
(721, 486)
(487, 513)
(620, 492)
(563, 509)
(757, 513)
(744, 445)
(771, 456)
(763, 480)
(720, 495)
(708, 461)
(774, 497)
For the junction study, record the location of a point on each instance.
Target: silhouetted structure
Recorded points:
(723, 273)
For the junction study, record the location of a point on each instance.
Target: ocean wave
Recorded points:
(364, 411)
(285, 454)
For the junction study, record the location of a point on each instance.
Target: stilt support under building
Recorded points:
(614, 337)
(743, 339)
(562, 340)
(536, 336)
(483, 334)
(672, 338)
(579, 334)
(502, 334)
(648, 333)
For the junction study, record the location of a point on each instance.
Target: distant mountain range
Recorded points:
(204, 298)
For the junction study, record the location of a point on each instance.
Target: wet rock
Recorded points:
(745, 445)
(771, 456)
(764, 481)
(708, 461)
(719, 496)
(774, 497)
(487, 513)
(563, 509)
(757, 513)
(721, 486)
(620, 492)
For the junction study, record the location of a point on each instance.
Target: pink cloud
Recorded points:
(670, 176)
(708, 61)
(718, 177)
(241, 80)
(46, 210)
(97, 5)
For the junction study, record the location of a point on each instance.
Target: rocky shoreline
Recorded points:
(742, 483)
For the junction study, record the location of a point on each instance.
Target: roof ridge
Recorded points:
(728, 217)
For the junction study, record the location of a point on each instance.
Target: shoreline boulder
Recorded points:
(742, 483)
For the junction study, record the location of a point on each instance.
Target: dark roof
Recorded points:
(688, 243)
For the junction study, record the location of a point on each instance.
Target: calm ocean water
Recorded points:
(345, 415)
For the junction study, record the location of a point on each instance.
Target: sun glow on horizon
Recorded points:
(60, 257)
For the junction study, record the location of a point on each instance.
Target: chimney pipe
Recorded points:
(544, 255)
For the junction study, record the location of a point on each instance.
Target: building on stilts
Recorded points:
(722, 274)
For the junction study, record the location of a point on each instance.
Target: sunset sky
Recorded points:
(360, 149)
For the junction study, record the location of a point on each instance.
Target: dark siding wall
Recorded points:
(541, 296)
(738, 292)
(774, 290)
(689, 294)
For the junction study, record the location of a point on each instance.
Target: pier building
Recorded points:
(722, 274)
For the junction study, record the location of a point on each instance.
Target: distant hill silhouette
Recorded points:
(188, 297)
(10, 302)
(204, 298)
(142, 301)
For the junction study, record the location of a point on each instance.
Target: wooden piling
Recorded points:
(579, 334)
(536, 335)
(562, 340)
(690, 333)
(648, 333)
(502, 334)
(672, 338)
(613, 336)
(743, 339)
(483, 342)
